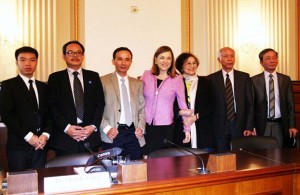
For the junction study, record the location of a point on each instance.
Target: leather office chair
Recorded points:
(254, 142)
(174, 152)
(79, 159)
(3, 140)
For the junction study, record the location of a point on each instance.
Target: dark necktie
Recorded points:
(78, 94)
(32, 94)
(128, 118)
(229, 99)
(271, 97)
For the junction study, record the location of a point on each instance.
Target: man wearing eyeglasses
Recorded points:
(76, 104)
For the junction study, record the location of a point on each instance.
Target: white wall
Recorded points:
(110, 24)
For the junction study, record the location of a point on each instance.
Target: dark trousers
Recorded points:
(155, 136)
(223, 143)
(126, 140)
(20, 160)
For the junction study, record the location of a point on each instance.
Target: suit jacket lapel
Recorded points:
(133, 95)
(221, 83)
(262, 83)
(23, 87)
(115, 83)
(67, 86)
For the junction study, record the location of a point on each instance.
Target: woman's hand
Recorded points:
(187, 138)
(186, 112)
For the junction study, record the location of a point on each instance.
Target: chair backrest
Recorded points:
(254, 142)
(69, 160)
(174, 152)
(3, 140)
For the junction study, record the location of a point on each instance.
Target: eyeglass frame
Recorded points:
(72, 53)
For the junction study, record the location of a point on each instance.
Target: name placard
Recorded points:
(70, 183)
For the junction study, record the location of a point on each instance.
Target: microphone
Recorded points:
(203, 170)
(100, 156)
(109, 153)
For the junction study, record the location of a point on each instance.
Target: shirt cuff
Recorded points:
(106, 129)
(95, 128)
(28, 136)
(46, 134)
(66, 129)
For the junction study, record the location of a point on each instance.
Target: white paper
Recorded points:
(78, 182)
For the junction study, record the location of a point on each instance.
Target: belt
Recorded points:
(125, 126)
(274, 120)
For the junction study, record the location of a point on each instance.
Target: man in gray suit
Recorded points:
(273, 100)
(123, 120)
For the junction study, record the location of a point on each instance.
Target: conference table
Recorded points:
(257, 172)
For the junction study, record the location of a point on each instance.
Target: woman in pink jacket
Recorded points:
(161, 86)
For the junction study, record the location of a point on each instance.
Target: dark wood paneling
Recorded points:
(296, 92)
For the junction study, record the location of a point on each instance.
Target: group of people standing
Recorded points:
(169, 101)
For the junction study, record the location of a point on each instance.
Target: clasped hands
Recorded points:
(80, 133)
(38, 142)
(190, 118)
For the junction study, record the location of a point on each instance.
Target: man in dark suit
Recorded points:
(231, 98)
(76, 103)
(273, 100)
(123, 127)
(24, 112)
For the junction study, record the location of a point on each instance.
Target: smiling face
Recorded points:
(164, 61)
(122, 62)
(227, 58)
(26, 62)
(269, 61)
(74, 56)
(190, 66)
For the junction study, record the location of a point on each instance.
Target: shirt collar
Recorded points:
(70, 70)
(26, 79)
(230, 73)
(119, 77)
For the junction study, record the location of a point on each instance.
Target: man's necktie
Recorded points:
(128, 118)
(271, 97)
(32, 93)
(229, 99)
(78, 94)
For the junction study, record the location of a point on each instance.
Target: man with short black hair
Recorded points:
(24, 112)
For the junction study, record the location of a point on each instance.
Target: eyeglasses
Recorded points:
(72, 53)
(191, 63)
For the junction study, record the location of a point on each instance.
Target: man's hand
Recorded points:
(139, 133)
(87, 131)
(42, 142)
(75, 132)
(293, 132)
(247, 132)
(34, 141)
(112, 133)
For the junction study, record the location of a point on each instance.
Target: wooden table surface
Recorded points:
(177, 175)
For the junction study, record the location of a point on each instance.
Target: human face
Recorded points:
(227, 59)
(122, 62)
(269, 61)
(190, 66)
(74, 56)
(164, 61)
(26, 63)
